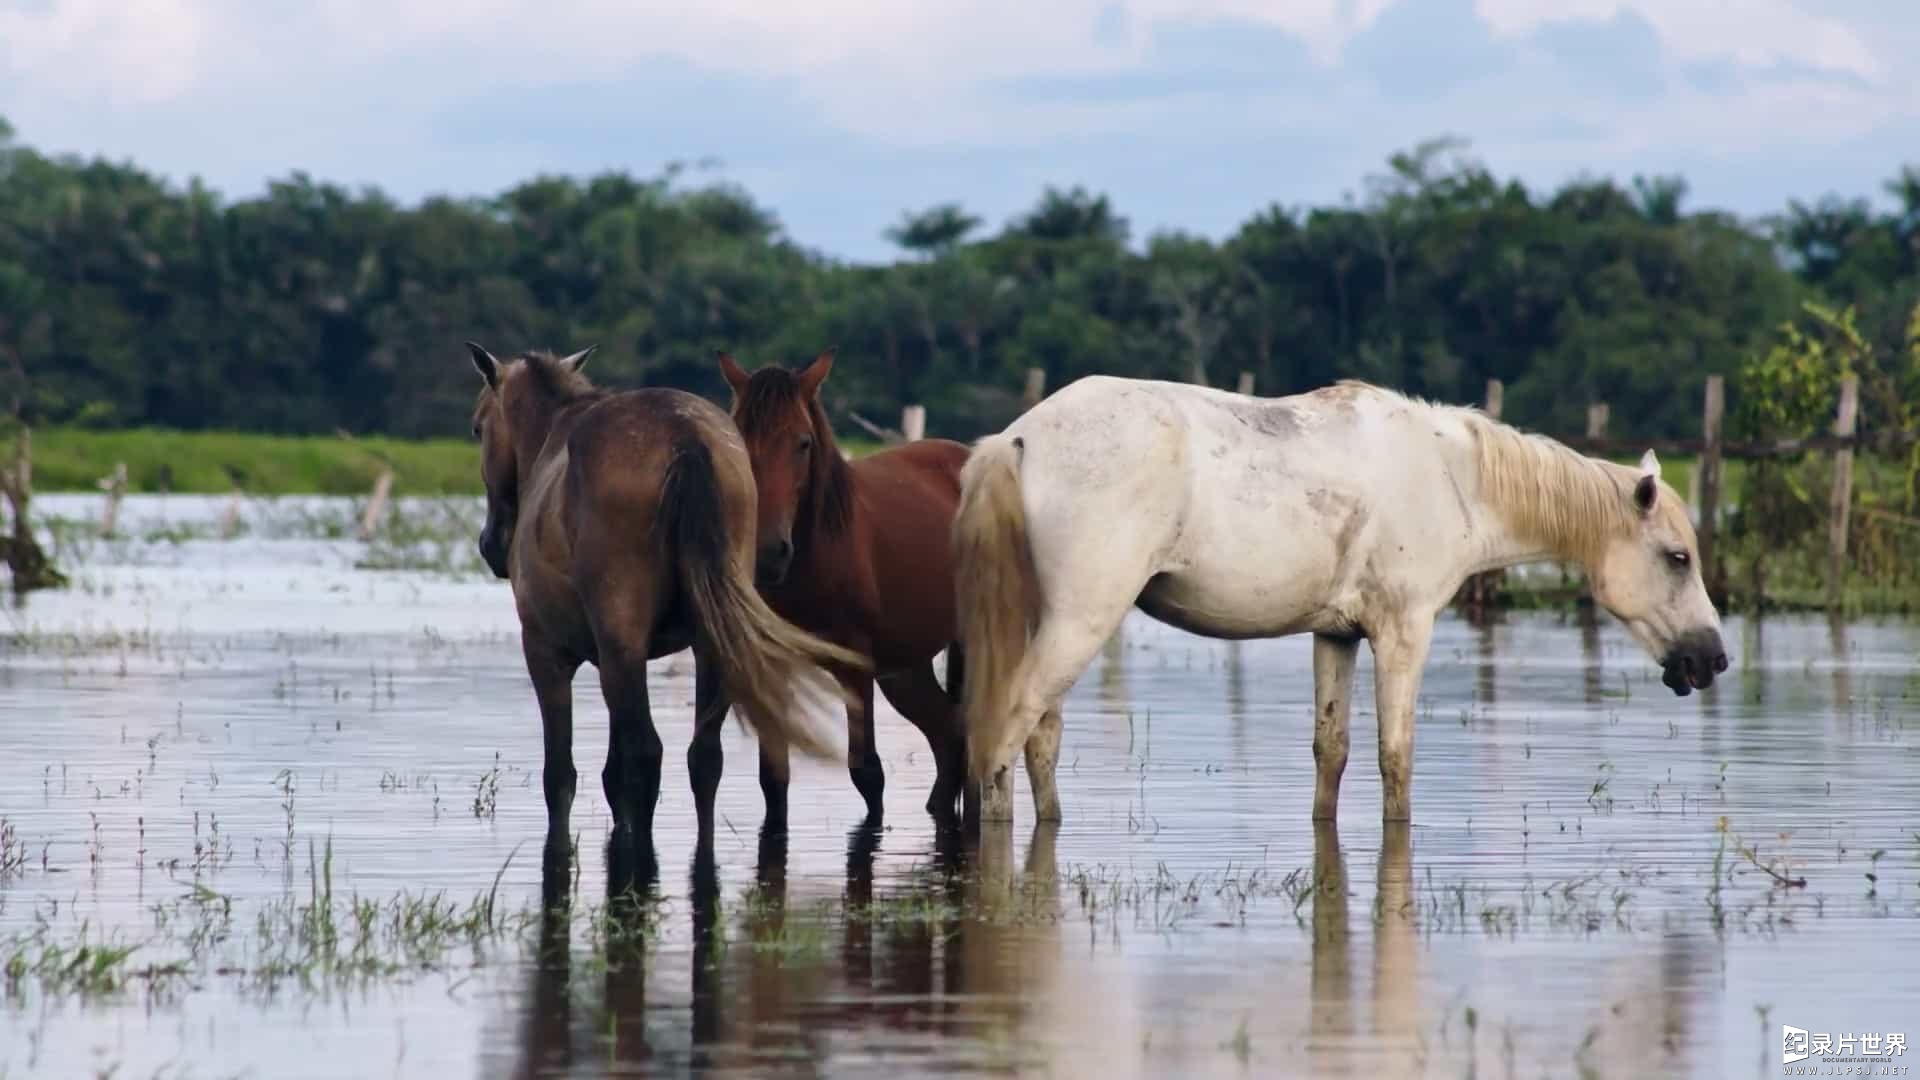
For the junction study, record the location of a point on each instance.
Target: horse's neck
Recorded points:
(532, 439)
(1552, 509)
(836, 474)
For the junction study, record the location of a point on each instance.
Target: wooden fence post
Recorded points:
(230, 521)
(1844, 424)
(1597, 420)
(377, 503)
(1036, 387)
(913, 423)
(116, 487)
(1246, 384)
(1708, 496)
(29, 565)
(1496, 393)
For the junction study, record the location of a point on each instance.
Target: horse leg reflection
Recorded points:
(704, 893)
(856, 928)
(633, 876)
(1008, 949)
(546, 1040)
(1330, 1020)
(1396, 982)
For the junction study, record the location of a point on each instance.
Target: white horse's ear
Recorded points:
(1646, 490)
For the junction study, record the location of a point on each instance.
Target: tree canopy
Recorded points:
(127, 299)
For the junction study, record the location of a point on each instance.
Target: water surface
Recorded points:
(1592, 884)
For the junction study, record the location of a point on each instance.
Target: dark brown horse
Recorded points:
(626, 523)
(860, 553)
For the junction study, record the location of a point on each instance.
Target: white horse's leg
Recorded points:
(1333, 660)
(996, 795)
(1399, 656)
(1043, 756)
(1065, 644)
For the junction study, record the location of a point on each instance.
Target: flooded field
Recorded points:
(268, 808)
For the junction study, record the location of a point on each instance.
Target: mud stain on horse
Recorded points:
(1276, 419)
(1345, 510)
(1460, 498)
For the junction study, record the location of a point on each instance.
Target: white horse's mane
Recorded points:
(1547, 492)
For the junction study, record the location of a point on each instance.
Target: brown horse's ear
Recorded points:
(736, 375)
(815, 373)
(485, 364)
(579, 360)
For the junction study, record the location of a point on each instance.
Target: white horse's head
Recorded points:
(1648, 576)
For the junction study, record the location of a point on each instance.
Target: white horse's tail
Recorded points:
(998, 595)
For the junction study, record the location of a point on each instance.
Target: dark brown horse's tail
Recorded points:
(998, 595)
(763, 659)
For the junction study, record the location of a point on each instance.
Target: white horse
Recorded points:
(1351, 512)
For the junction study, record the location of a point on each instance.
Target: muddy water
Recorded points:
(1592, 884)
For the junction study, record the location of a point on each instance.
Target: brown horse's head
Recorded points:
(516, 402)
(780, 419)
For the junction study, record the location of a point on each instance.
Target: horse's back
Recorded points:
(1099, 451)
(931, 466)
(1252, 503)
(621, 453)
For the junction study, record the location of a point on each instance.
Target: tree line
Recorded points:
(129, 300)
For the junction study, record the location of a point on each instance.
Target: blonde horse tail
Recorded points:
(998, 596)
(762, 657)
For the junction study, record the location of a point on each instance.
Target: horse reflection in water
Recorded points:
(1641, 1008)
(549, 1045)
(960, 963)
(948, 966)
(1336, 1045)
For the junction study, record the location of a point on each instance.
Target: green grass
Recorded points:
(73, 459)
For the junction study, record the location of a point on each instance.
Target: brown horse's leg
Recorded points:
(773, 785)
(552, 676)
(863, 754)
(705, 760)
(919, 697)
(632, 775)
(956, 671)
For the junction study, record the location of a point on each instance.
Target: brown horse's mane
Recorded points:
(553, 382)
(769, 393)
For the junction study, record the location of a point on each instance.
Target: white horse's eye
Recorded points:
(1680, 558)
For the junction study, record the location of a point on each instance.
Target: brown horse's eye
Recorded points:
(806, 443)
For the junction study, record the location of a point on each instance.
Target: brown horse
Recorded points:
(625, 522)
(860, 553)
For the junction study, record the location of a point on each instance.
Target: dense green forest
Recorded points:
(126, 299)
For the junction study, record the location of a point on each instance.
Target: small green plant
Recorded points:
(486, 791)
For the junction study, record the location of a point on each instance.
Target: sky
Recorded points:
(840, 115)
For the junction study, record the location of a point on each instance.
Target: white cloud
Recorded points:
(1765, 32)
(356, 90)
(132, 54)
(910, 73)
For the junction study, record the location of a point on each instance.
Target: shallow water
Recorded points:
(184, 733)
